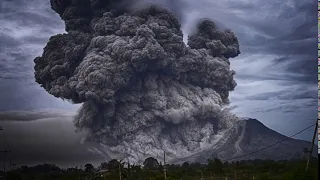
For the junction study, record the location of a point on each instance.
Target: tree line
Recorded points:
(151, 169)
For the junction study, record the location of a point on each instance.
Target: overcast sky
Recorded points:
(276, 71)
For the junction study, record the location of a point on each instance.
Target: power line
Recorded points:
(271, 144)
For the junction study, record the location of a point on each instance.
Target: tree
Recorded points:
(151, 163)
(226, 163)
(113, 165)
(185, 165)
(103, 166)
(211, 165)
(88, 167)
(185, 168)
(46, 168)
(25, 169)
(215, 166)
(218, 166)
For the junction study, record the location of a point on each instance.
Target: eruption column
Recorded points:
(143, 89)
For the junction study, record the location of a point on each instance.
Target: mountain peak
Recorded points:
(250, 135)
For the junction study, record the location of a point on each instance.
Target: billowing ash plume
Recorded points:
(143, 89)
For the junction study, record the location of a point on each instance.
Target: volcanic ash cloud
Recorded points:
(143, 89)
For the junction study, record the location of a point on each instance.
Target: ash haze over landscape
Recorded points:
(136, 70)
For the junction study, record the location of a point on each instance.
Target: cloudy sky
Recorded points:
(276, 72)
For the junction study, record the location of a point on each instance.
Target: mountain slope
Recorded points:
(247, 136)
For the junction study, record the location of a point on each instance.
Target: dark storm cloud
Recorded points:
(283, 78)
(294, 94)
(297, 58)
(280, 46)
(31, 116)
(25, 27)
(8, 42)
(30, 18)
(21, 35)
(286, 29)
(28, 98)
(286, 108)
(294, 41)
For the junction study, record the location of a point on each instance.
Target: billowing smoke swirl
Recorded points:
(143, 89)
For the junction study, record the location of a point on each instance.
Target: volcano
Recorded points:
(244, 138)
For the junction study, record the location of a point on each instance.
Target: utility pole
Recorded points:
(313, 138)
(10, 163)
(235, 175)
(129, 169)
(164, 166)
(5, 151)
(119, 170)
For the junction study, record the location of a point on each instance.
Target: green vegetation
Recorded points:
(153, 170)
